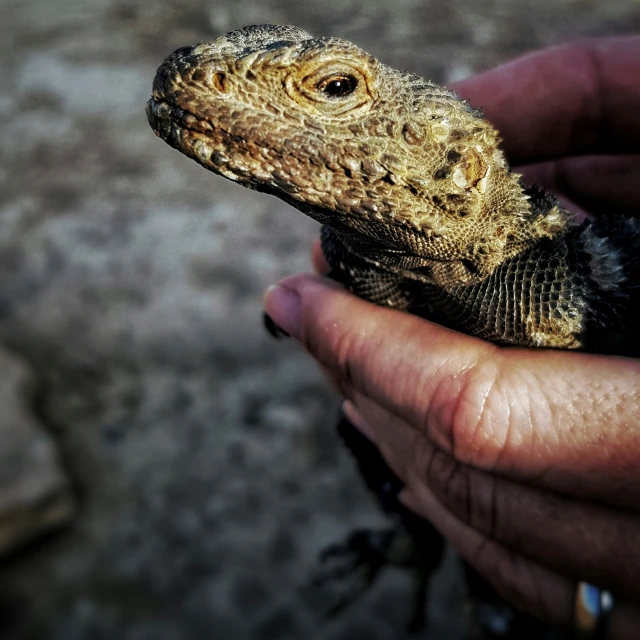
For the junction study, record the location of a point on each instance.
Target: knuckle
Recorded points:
(449, 480)
(477, 427)
(468, 494)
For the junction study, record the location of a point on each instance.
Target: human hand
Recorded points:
(569, 121)
(527, 461)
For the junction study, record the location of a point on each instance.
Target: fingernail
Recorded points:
(356, 419)
(273, 329)
(285, 308)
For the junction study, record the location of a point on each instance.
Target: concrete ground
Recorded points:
(201, 452)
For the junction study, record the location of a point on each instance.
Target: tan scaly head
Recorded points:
(398, 161)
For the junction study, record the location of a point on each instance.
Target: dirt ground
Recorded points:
(201, 451)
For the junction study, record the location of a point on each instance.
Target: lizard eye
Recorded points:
(338, 86)
(332, 86)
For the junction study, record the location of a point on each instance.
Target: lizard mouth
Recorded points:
(195, 137)
(164, 116)
(183, 130)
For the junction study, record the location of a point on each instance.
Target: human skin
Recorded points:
(527, 461)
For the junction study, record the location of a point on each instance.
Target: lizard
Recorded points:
(419, 208)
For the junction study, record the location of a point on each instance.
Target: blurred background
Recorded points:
(168, 470)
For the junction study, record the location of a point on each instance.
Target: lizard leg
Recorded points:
(411, 542)
(364, 278)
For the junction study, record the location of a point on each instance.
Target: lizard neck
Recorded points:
(467, 237)
(528, 218)
(566, 291)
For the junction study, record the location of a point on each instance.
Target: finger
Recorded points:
(529, 586)
(564, 420)
(602, 185)
(575, 538)
(568, 100)
(320, 264)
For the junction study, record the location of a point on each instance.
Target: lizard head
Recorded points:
(366, 149)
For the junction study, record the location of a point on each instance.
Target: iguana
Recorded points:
(419, 209)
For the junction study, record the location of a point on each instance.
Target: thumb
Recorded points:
(567, 421)
(408, 365)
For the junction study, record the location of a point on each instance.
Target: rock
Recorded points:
(35, 493)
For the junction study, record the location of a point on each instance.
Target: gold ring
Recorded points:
(592, 610)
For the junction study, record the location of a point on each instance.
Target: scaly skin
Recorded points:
(421, 211)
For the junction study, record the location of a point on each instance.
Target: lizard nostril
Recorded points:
(220, 81)
(217, 80)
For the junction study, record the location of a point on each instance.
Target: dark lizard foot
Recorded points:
(354, 563)
(357, 562)
(411, 542)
